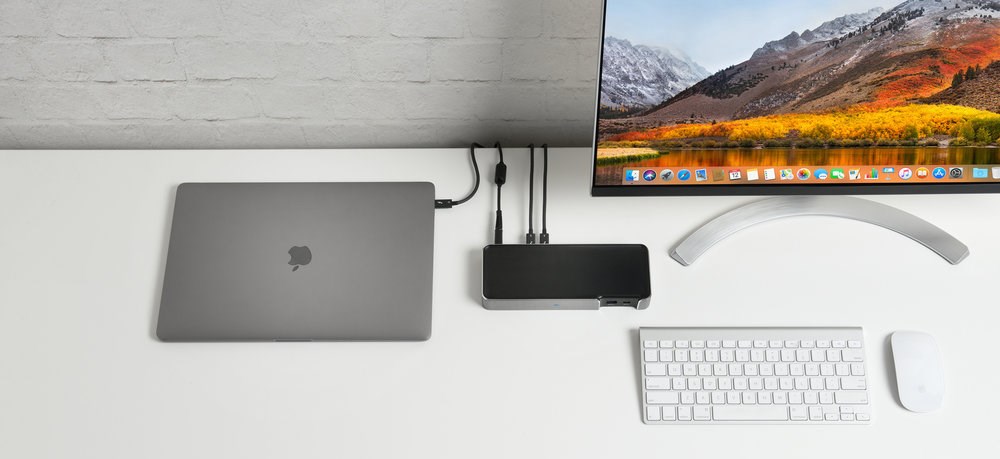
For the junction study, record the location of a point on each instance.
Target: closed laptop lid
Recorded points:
(299, 261)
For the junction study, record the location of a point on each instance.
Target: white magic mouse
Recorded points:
(919, 370)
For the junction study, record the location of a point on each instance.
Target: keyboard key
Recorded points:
(854, 344)
(667, 343)
(684, 413)
(823, 343)
(840, 344)
(808, 343)
(657, 383)
(655, 369)
(775, 343)
(648, 344)
(702, 398)
(853, 383)
(750, 413)
(799, 413)
(652, 413)
(857, 369)
(853, 397)
(681, 355)
(791, 344)
(661, 397)
(718, 398)
(843, 369)
(702, 413)
(669, 413)
(666, 355)
(681, 344)
(714, 344)
(853, 355)
(650, 355)
(687, 398)
(815, 413)
(745, 343)
(759, 343)
(728, 343)
(674, 369)
(698, 344)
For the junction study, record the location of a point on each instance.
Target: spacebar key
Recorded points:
(750, 413)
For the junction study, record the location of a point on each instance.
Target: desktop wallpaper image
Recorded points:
(851, 83)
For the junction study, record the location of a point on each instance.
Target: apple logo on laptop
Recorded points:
(301, 256)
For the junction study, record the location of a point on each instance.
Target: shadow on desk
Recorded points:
(474, 276)
(171, 197)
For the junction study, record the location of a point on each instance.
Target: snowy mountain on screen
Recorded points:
(827, 31)
(643, 76)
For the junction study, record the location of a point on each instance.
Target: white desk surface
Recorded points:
(83, 243)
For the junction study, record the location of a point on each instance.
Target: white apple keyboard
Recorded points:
(754, 376)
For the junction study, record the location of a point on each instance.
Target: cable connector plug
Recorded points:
(529, 238)
(543, 238)
(444, 203)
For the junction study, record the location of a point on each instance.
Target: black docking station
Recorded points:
(565, 276)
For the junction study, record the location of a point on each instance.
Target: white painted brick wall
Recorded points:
(296, 73)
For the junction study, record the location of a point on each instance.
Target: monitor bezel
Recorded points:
(763, 189)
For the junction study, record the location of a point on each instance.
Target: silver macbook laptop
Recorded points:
(299, 261)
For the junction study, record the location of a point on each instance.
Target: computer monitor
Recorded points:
(730, 97)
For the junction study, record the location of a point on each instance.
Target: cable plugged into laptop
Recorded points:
(449, 203)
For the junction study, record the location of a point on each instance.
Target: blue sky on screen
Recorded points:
(720, 33)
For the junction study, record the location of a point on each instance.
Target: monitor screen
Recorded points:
(786, 96)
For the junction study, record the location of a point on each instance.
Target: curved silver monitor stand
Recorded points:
(920, 230)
